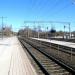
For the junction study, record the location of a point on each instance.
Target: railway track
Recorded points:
(60, 52)
(67, 49)
(62, 39)
(47, 65)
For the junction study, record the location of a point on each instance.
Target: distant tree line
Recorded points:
(27, 32)
(6, 31)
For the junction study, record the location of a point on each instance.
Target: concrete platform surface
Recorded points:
(63, 43)
(13, 59)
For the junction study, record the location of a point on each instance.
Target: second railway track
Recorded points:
(47, 65)
(62, 53)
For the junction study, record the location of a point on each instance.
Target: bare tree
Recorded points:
(7, 31)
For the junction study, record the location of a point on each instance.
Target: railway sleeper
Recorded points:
(58, 72)
(54, 70)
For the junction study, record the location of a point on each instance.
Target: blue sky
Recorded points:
(17, 11)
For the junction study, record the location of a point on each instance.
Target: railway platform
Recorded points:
(61, 50)
(63, 43)
(13, 59)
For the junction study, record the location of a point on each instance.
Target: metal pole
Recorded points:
(71, 54)
(69, 31)
(50, 45)
(47, 32)
(2, 28)
(58, 50)
(28, 31)
(34, 34)
(2, 25)
(64, 32)
(38, 31)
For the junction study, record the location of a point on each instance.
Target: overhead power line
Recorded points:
(68, 23)
(46, 22)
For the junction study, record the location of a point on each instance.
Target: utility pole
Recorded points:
(2, 25)
(64, 31)
(69, 32)
(28, 31)
(47, 32)
(39, 29)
